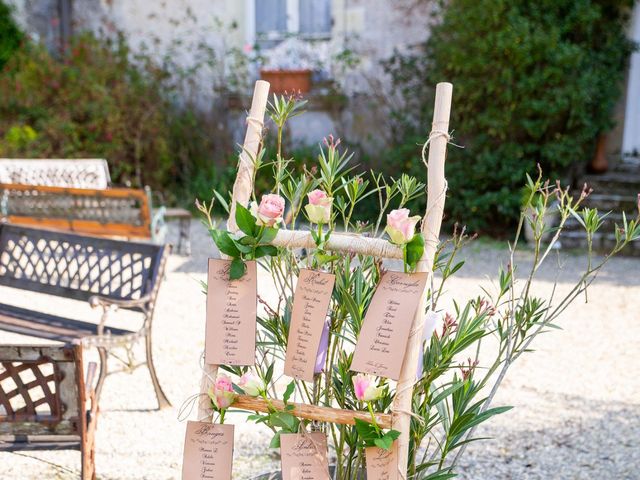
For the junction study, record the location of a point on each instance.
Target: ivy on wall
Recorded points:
(534, 82)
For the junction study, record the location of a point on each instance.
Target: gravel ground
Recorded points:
(576, 399)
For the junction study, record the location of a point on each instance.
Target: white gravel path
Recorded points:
(577, 399)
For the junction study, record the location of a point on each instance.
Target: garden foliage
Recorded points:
(101, 100)
(10, 34)
(535, 83)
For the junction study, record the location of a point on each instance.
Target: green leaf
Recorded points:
(275, 441)
(383, 443)
(264, 250)
(415, 249)
(288, 392)
(366, 431)
(238, 268)
(225, 243)
(285, 421)
(247, 240)
(241, 247)
(268, 234)
(246, 222)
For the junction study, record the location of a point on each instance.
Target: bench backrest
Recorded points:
(76, 173)
(124, 212)
(41, 391)
(78, 267)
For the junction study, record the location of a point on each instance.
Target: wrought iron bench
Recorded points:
(109, 274)
(78, 211)
(45, 403)
(77, 173)
(115, 212)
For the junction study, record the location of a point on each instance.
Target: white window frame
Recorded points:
(293, 22)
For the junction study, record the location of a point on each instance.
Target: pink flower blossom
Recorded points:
(365, 388)
(222, 394)
(269, 212)
(400, 226)
(319, 207)
(251, 384)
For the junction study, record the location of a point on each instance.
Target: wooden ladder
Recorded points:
(400, 419)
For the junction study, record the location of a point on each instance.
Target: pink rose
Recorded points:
(319, 207)
(365, 388)
(269, 212)
(251, 384)
(400, 226)
(222, 394)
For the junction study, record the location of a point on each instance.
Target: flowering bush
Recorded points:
(455, 385)
(102, 100)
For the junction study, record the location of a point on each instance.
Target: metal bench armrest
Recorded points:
(99, 301)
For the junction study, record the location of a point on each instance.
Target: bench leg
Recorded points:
(184, 240)
(88, 457)
(103, 371)
(163, 401)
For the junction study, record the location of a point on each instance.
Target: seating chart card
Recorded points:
(231, 315)
(304, 456)
(208, 451)
(310, 305)
(381, 463)
(385, 330)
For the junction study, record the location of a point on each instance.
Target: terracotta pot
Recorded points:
(599, 162)
(287, 80)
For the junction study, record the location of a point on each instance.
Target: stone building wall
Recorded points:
(183, 30)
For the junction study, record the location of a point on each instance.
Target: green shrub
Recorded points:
(534, 82)
(96, 102)
(10, 34)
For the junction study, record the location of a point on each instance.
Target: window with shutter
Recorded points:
(315, 18)
(275, 19)
(271, 21)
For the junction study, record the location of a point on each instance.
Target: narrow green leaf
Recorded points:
(288, 392)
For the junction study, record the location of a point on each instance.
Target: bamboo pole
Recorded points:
(242, 189)
(339, 242)
(436, 192)
(311, 412)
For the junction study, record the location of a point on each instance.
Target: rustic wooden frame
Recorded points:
(436, 193)
(76, 425)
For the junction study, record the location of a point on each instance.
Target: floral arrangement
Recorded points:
(459, 372)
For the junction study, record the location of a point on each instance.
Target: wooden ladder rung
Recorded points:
(311, 412)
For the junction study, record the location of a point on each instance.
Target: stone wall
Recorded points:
(179, 29)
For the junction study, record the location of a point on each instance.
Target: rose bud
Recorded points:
(269, 212)
(365, 388)
(222, 393)
(400, 226)
(251, 384)
(319, 207)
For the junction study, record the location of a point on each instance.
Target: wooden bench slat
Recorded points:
(115, 212)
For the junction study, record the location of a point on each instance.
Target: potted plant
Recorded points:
(288, 66)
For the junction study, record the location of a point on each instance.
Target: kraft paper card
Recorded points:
(231, 315)
(304, 456)
(310, 304)
(382, 464)
(208, 451)
(385, 330)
